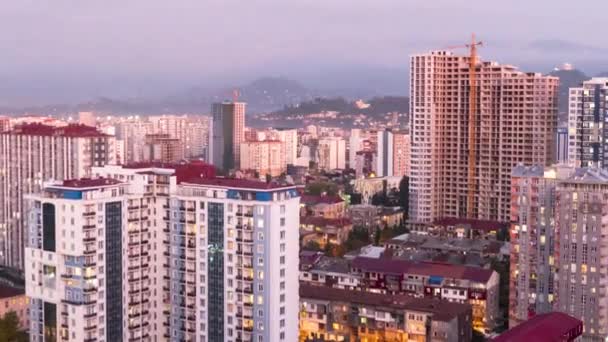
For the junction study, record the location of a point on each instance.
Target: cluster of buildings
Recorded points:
(124, 231)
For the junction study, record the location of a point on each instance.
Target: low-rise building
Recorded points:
(462, 228)
(324, 230)
(368, 187)
(330, 314)
(372, 217)
(553, 326)
(330, 207)
(14, 299)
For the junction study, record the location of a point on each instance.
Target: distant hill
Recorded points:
(567, 79)
(377, 106)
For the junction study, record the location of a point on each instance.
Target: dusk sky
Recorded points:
(139, 43)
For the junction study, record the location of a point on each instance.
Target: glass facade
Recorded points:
(48, 227)
(215, 284)
(114, 271)
(50, 322)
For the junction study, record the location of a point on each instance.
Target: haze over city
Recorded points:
(66, 51)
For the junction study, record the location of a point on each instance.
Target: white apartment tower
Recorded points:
(517, 115)
(203, 258)
(587, 114)
(331, 153)
(33, 153)
(265, 157)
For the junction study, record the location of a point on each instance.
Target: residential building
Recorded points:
(463, 228)
(455, 283)
(235, 239)
(133, 133)
(368, 187)
(581, 246)
(5, 123)
(289, 137)
(331, 207)
(553, 326)
(87, 119)
(588, 105)
(561, 141)
(163, 148)
(265, 157)
(31, 154)
(532, 237)
(228, 134)
(13, 299)
(324, 231)
(332, 314)
(331, 153)
(393, 155)
(517, 114)
(354, 146)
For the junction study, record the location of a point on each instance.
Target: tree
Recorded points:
(377, 236)
(404, 195)
(312, 245)
(268, 178)
(9, 328)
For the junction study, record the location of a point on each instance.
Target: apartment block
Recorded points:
(201, 258)
(587, 113)
(329, 314)
(532, 237)
(516, 123)
(581, 250)
(33, 153)
(265, 157)
(163, 148)
(331, 153)
(393, 154)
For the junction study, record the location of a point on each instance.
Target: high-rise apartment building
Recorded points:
(133, 133)
(581, 250)
(331, 153)
(191, 130)
(558, 245)
(163, 148)
(587, 113)
(532, 237)
(289, 137)
(516, 122)
(265, 157)
(33, 153)
(393, 156)
(227, 134)
(87, 119)
(202, 258)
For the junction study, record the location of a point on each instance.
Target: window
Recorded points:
(260, 236)
(282, 259)
(282, 310)
(282, 235)
(282, 222)
(282, 247)
(283, 209)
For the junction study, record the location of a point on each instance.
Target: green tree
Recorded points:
(404, 195)
(377, 236)
(9, 329)
(312, 246)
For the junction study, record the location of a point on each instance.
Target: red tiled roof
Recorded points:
(237, 183)
(549, 327)
(7, 291)
(475, 224)
(89, 182)
(426, 268)
(72, 130)
(322, 221)
(314, 199)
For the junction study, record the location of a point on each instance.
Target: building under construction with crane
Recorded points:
(471, 122)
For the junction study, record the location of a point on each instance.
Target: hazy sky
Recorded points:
(104, 42)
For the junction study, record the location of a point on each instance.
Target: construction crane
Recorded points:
(472, 121)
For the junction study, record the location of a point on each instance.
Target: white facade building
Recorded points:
(331, 153)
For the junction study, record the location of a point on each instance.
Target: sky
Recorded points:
(64, 50)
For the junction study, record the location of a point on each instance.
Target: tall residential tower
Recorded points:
(227, 135)
(516, 122)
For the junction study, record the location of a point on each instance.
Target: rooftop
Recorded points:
(183, 171)
(237, 183)
(72, 130)
(314, 199)
(7, 291)
(322, 221)
(473, 223)
(553, 326)
(441, 310)
(84, 183)
(425, 268)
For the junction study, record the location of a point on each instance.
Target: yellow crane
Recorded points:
(472, 46)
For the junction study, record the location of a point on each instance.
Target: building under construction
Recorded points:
(471, 122)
